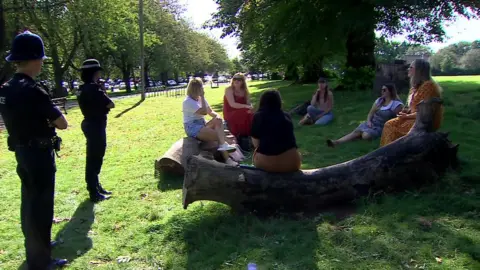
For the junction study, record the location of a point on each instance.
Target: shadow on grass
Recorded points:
(167, 181)
(129, 109)
(214, 238)
(73, 236)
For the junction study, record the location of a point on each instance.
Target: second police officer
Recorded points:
(30, 119)
(95, 105)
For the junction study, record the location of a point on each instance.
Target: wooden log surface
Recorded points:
(418, 158)
(175, 159)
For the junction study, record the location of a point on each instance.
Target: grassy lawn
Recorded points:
(145, 220)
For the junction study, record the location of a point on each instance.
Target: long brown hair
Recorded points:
(327, 88)
(422, 73)
(393, 91)
(240, 76)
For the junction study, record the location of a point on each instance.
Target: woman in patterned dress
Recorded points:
(383, 109)
(422, 87)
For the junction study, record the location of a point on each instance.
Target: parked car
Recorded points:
(171, 83)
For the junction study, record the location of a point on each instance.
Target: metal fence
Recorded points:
(175, 91)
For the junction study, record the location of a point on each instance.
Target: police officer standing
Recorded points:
(95, 105)
(31, 118)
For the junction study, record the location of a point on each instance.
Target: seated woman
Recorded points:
(422, 87)
(195, 107)
(237, 109)
(321, 105)
(273, 137)
(384, 108)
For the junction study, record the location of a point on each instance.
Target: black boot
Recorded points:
(97, 197)
(57, 263)
(101, 190)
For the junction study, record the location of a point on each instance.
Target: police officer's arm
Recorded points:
(107, 101)
(50, 111)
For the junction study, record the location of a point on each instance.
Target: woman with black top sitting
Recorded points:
(273, 137)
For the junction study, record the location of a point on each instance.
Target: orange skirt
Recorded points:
(288, 161)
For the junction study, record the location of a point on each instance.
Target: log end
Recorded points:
(168, 165)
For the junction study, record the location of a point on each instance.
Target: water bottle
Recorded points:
(252, 266)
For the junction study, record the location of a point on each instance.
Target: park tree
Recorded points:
(471, 60)
(108, 31)
(322, 28)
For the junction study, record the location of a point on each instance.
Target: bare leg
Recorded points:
(347, 138)
(366, 136)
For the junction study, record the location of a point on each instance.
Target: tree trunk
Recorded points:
(313, 71)
(418, 158)
(175, 159)
(126, 79)
(291, 74)
(361, 38)
(145, 76)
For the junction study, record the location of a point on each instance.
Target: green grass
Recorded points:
(145, 219)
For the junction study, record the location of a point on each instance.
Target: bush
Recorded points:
(357, 79)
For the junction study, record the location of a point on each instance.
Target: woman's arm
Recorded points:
(255, 142)
(372, 111)
(212, 113)
(398, 109)
(204, 110)
(314, 98)
(231, 100)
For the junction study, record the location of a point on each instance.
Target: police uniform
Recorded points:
(93, 103)
(27, 111)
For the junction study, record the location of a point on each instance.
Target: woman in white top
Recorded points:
(384, 108)
(195, 107)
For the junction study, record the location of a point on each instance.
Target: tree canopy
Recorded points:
(308, 34)
(109, 31)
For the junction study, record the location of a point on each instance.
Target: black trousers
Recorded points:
(95, 133)
(36, 169)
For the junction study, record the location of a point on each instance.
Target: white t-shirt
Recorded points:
(390, 106)
(190, 106)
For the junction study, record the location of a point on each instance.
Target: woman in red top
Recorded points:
(237, 109)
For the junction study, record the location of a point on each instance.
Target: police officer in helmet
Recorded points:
(31, 118)
(95, 105)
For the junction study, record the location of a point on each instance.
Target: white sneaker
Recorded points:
(231, 162)
(227, 147)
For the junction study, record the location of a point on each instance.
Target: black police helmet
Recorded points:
(25, 47)
(91, 64)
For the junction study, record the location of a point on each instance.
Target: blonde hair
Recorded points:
(240, 76)
(421, 74)
(194, 87)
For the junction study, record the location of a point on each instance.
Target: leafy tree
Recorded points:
(320, 29)
(471, 60)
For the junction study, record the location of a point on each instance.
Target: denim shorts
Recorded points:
(192, 128)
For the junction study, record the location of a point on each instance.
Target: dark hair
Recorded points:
(87, 74)
(393, 91)
(270, 101)
(325, 95)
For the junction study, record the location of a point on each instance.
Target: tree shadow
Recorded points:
(215, 238)
(168, 181)
(405, 230)
(73, 237)
(129, 109)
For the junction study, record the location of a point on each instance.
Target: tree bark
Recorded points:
(175, 159)
(291, 74)
(418, 158)
(313, 71)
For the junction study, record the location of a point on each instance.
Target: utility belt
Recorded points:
(53, 143)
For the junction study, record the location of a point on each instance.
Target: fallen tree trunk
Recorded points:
(175, 159)
(418, 158)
